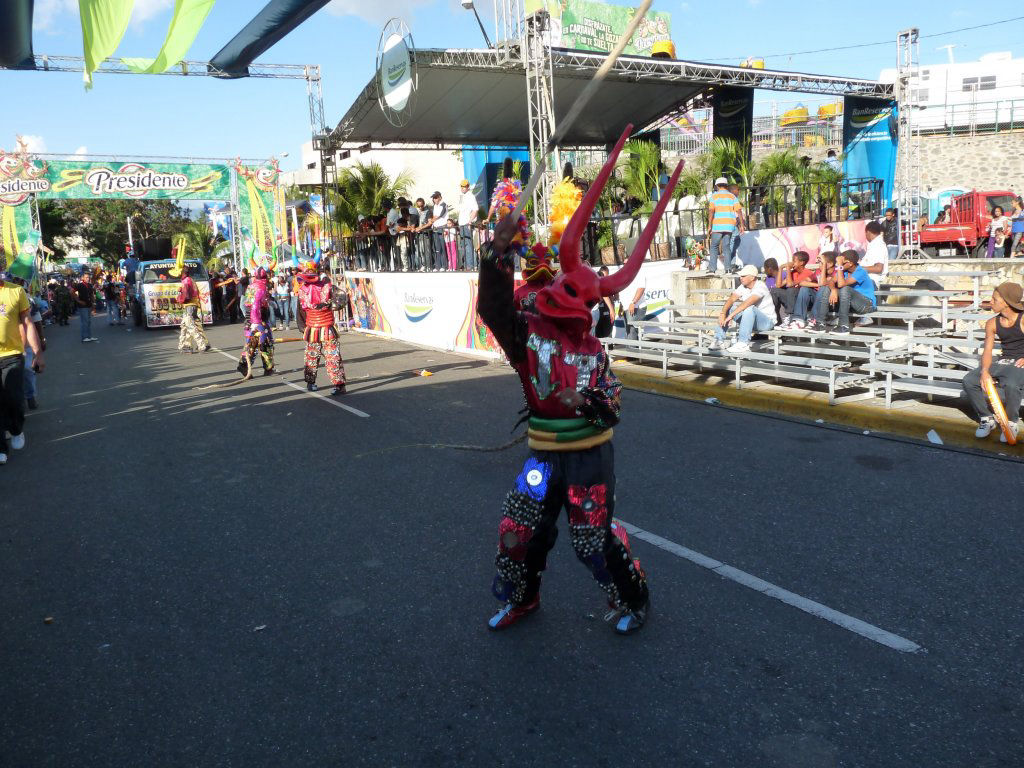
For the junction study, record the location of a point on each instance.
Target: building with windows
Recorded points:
(983, 96)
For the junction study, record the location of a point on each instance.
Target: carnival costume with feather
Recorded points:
(321, 334)
(259, 335)
(538, 269)
(573, 403)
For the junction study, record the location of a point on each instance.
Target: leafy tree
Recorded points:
(202, 243)
(102, 225)
(364, 188)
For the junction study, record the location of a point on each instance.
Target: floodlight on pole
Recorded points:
(469, 6)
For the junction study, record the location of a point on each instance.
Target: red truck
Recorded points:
(966, 230)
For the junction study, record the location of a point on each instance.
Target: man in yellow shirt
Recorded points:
(15, 329)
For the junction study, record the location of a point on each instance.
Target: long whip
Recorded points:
(586, 94)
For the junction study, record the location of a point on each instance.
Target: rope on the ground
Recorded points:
(451, 446)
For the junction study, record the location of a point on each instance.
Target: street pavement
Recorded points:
(252, 576)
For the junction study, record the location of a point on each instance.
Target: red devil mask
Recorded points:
(568, 301)
(537, 267)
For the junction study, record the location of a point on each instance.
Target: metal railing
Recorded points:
(692, 136)
(970, 119)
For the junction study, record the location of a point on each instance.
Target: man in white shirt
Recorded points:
(390, 243)
(438, 221)
(752, 306)
(876, 258)
(469, 209)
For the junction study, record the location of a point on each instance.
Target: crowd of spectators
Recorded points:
(412, 236)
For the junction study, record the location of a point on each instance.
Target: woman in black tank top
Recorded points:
(1007, 372)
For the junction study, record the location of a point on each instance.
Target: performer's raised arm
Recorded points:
(494, 302)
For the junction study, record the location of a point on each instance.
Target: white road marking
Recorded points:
(68, 437)
(303, 390)
(807, 605)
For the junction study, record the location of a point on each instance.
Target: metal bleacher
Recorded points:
(921, 349)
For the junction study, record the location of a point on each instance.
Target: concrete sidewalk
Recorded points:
(910, 418)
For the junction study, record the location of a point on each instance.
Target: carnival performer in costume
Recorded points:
(573, 402)
(538, 269)
(321, 334)
(191, 317)
(259, 334)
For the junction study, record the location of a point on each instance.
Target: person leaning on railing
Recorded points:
(1006, 372)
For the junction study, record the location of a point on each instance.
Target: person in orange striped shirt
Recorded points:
(723, 221)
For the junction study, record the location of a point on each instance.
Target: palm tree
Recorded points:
(364, 188)
(641, 177)
(201, 244)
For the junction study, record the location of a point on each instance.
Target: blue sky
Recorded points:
(132, 114)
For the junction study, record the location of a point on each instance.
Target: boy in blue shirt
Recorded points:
(853, 289)
(856, 289)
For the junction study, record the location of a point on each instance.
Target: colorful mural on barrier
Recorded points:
(440, 310)
(780, 244)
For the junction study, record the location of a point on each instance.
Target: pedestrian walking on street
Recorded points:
(85, 300)
(16, 327)
(191, 319)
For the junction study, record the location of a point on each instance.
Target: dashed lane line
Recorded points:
(303, 390)
(855, 625)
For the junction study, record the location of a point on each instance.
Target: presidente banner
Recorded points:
(591, 26)
(870, 141)
(89, 180)
(733, 113)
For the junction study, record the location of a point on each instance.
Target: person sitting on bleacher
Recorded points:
(794, 291)
(1007, 373)
(825, 294)
(752, 304)
(854, 290)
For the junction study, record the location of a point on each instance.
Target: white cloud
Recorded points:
(377, 13)
(144, 10)
(48, 12)
(34, 143)
(684, 7)
(82, 151)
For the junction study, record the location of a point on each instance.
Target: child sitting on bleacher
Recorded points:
(794, 291)
(856, 293)
(825, 294)
(1007, 372)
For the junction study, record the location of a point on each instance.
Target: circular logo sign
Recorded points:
(395, 73)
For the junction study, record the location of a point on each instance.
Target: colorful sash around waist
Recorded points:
(565, 434)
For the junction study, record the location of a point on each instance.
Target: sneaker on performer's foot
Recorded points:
(626, 621)
(32, 404)
(18, 441)
(312, 387)
(985, 427)
(864, 320)
(1002, 435)
(3, 458)
(510, 613)
(338, 391)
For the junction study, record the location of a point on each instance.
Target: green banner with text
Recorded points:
(590, 26)
(89, 180)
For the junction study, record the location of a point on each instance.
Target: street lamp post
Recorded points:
(469, 6)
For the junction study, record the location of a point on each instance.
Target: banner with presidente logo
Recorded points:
(87, 179)
(733, 113)
(870, 141)
(21, 176)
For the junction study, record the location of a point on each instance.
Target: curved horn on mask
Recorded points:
(569, 246)
(618, 281)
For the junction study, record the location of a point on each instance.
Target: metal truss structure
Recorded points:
(308, 72)
(540, 108)
(907, 187)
